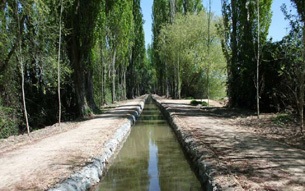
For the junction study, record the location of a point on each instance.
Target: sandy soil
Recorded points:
(51, 155)
(246, 153)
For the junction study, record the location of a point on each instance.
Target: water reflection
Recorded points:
(151, 159)
(153, 171)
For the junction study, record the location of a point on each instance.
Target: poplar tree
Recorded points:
(137, 53)
(120, 34)
(164, 12)
(240, 47)
(192, 53)
(80, 19)
(160, 16)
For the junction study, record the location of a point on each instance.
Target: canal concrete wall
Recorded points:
(202, 168)
(92, 173)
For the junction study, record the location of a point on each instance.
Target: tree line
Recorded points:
(67, 58)
(63, 59)
(199, 55)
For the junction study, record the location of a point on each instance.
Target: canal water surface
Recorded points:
(151, 159)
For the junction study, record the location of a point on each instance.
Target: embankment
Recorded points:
(91, 173)
(203, 168)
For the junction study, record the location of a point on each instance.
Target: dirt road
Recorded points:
(232, 155)
(39, 162)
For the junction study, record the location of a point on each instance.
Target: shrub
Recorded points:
(283, 119)
(8, 122)
(203, 103)
(195, 102)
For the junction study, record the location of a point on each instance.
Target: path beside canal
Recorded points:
(231, 156)
(51, 155)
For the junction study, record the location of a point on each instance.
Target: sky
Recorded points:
(277, 30)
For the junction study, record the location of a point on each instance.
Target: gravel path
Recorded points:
(42, 160)
(236, 158)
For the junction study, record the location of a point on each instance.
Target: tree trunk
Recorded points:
(20, 59)
(103, 85)
(178, 79)
(74, 54)
(124, 84)
(302, 88)
(258, 60)
(90, 91)
(209, 47)
(58, 65)
(166, 81)
(113, 76)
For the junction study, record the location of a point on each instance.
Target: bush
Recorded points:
(283, 119)
(203, 103)
(195, 102)
(8, 123)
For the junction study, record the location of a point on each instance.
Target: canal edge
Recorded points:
(202, 169)
(92, 173)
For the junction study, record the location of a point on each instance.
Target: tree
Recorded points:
(137, 53)
(240, 47)
(80, 19)
(160, 17)
(58, 63)
(164, 12)
(19, 54)
(183, 45)
(298, 29)
(120, 35)
(258, 60)
(65, 55)
(300, 5)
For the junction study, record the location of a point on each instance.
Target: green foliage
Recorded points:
(196, 102)
(203, 103)
(240, 47)
(164, 12)
(183, 47)
(137, 60)
(92, 31)
(8, 121)
(283, 119)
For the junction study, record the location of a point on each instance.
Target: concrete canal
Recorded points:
(151, 159)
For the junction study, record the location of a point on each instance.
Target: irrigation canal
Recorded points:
(151, 158)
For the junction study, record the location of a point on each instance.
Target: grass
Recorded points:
(283, 119)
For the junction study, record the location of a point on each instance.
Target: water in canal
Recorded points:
(151, 159)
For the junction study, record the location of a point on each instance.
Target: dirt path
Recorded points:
(42, 161)
(238, 158)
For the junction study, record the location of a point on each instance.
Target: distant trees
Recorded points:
(137, 58)
(184, 48)
(164, 12)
